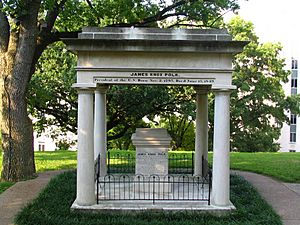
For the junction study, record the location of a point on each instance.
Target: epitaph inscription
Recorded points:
(152, 145)
(149, 163)
(153, 80)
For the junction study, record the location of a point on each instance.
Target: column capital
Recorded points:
(85, 91)
(84, 87)
(102, 89)
(223, 88)
(222, 91)
(201, 89)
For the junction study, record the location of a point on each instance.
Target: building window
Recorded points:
(294, 77)
(293, 119)
(41, 147)
(294, 86)
(294, 64)
(293, 127)
(293, 91)
(294, 73)
(292, 137)
(294, 83)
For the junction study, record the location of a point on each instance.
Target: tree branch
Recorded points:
(27, 39)
(4, 28)
(161, 15)
(154, 19)
(120, 134)
(52, 16)
(218, 18)
(60, 117)
(12, 49)
(185, 25)
(95, 11)
(171, 7)
(46, 36)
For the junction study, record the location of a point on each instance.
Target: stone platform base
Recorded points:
(158, 206)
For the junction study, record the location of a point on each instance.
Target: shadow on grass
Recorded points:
(52, 207)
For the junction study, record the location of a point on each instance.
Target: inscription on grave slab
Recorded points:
(152, 163)
(152, 145)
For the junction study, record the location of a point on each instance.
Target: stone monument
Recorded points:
(152, 145)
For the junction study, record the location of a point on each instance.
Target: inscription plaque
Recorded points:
(152, 147)
(153, 80)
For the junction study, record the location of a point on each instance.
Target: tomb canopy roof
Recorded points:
(154, 40)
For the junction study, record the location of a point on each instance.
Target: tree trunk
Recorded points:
(17, 136)
(16, 58)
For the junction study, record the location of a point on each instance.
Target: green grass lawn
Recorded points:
(284, 166)
(52, 207)
(58, 160)
(281, 166)
(5, 185)
(45, 161)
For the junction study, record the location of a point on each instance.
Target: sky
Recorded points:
(275, 21)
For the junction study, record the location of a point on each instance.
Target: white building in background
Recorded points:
(290, 134)
(50, 138)
(44, 141)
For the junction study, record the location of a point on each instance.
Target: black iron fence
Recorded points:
(154, 188)
(120, 163)
(182, 163)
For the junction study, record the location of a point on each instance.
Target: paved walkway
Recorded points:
(17, 196)
(283, 197)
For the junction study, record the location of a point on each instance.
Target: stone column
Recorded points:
(201, 138)
(100, 139)
(221, 148)
(85, 155)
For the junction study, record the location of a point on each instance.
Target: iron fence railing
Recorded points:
(154, 188)
(120, 163)
(125, 163)
(181, 163)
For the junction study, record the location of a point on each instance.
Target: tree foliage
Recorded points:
(28, 27)
(53, 101)
(258, 104)
(181, 129)
(51, 98)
